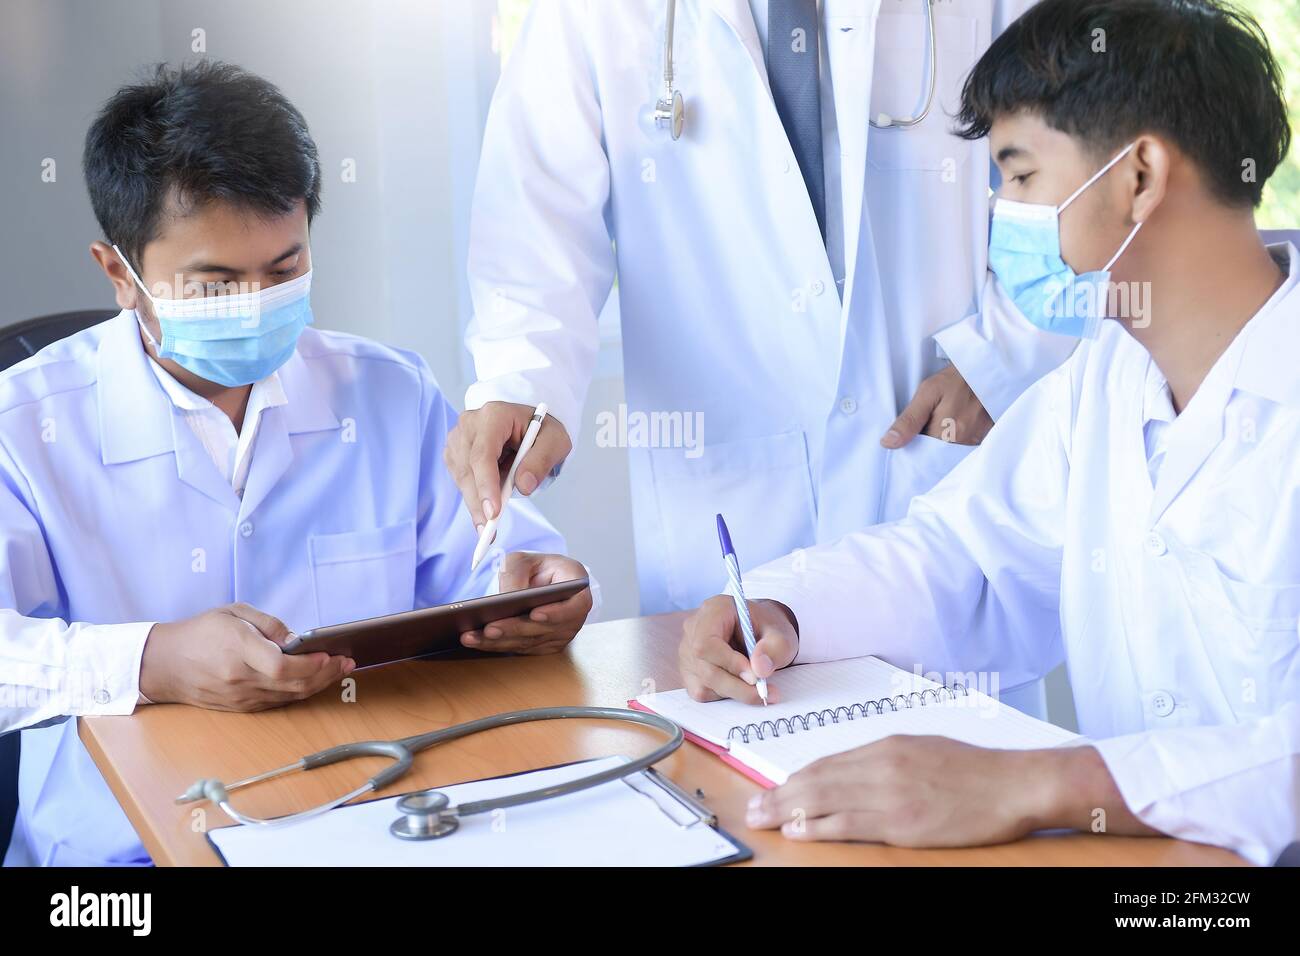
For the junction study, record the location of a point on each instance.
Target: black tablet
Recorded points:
(425, 631)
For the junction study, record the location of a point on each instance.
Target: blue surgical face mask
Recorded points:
(231, 339)
(1025, 255)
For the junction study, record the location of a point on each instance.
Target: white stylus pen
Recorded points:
(489, 532)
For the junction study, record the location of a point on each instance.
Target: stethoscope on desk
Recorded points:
(670, 110)
(427, 814)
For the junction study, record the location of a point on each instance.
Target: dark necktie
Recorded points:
(792, 69)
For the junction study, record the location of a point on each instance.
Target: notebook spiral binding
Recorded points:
(820, 718)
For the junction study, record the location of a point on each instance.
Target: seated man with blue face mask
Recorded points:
(186, 485)
(1135, 514)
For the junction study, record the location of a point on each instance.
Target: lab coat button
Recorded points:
(1155, 545)
(848, 406)
(1162, 703)
(246, 529)
(817, 287)
(102, 696)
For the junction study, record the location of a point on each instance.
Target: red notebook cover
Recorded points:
(714, 749)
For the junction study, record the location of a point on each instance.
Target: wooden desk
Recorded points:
(155, 754)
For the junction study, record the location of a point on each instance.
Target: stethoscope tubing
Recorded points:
(665, 105)
(402, 752)
(534, 715)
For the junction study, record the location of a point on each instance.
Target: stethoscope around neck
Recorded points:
(670, 109)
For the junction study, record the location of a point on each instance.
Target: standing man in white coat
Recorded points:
(789, 272)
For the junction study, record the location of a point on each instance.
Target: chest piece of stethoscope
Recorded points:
(424, 816)
(670, 112)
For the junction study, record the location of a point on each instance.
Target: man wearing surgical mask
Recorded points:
(1134, 514)
(186, 485)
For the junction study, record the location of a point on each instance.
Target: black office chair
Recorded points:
(17, 342)
(24, 339)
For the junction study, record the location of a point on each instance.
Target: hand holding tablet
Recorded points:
(426, 631)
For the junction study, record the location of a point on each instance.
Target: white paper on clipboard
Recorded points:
(621, 823)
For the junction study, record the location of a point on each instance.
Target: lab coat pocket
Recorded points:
(1256, 621)
(361, 574)
(916, 468)
(899, 82)
(762, 486)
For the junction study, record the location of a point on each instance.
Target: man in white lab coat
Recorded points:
(790, 277)
(1136, 513)
(185, 485)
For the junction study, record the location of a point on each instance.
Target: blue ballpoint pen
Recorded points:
(738, 595)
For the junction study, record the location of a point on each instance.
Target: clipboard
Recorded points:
(641, 820)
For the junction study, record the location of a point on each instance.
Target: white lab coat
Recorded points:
(1175, 605)
(113, 516)
(729, 306)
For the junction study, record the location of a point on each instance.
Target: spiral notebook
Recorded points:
(837, 706)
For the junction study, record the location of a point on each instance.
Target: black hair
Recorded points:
(1198, 72)
(201, 132)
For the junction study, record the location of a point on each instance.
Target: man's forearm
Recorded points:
(1071, 788)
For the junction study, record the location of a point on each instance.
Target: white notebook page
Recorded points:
(804, 688)
(975, 718)
(978, 720)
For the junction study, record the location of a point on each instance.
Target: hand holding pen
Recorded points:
(737, 591)
(488, 532)
(711, 656)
